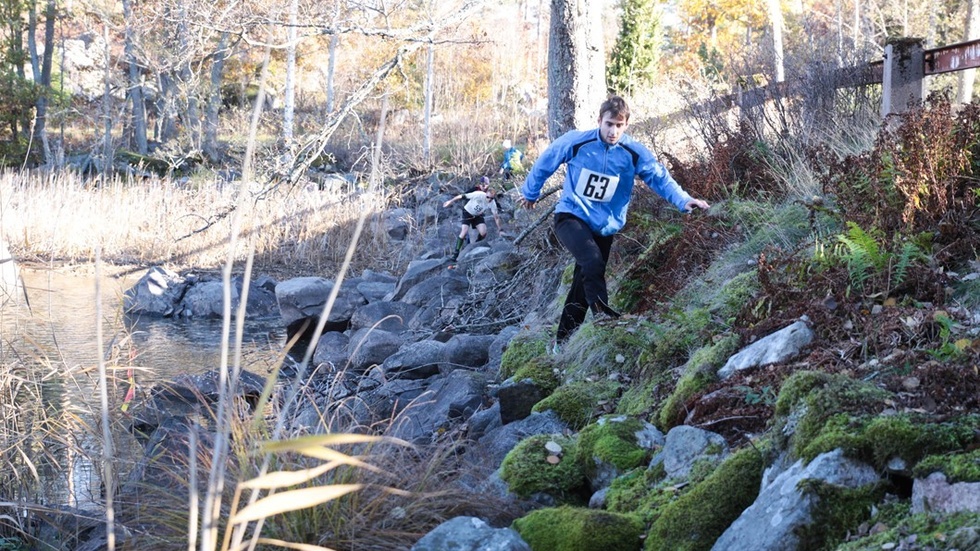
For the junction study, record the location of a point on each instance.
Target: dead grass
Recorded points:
(66, 217)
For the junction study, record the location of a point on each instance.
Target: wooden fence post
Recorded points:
(903, 82)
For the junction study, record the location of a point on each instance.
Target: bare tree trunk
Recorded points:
(576, 65)
(964, 85)
(332, 59)
(776, 21)
(289, 99)
(429, 76)
(135, 89)
(166, 127)
(210, 143)
(186, 77)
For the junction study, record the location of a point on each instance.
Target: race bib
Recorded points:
(595, 186)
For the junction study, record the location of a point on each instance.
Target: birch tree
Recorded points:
(964, 84)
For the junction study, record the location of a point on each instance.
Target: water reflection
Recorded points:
(54, 343)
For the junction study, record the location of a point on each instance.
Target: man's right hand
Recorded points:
(528, 204)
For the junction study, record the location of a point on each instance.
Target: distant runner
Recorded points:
(513, 160)
(602, 164)
(479, 200)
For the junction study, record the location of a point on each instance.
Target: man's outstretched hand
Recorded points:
(526, 204)
(703, 205)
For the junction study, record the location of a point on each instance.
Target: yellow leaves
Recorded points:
(316, 447)
(293, 500)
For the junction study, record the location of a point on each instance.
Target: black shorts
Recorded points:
(472, 220)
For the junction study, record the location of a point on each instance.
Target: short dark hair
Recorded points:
(616, 107)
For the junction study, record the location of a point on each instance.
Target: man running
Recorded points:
(602, 165)
(478, 200)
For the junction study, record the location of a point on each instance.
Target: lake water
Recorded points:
(57, 337)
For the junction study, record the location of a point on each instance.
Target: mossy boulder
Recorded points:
(643, 492)
(612, 446)
(528, 471)
(540, 370)
(696, 519)
(579, 529)
(810, 402)
(520, 350)
(576, 403)
(959, 467)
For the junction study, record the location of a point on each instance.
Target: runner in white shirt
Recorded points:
(478, 201)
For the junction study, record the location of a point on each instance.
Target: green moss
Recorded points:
(928, 531)
(683, 331)
(877, 439)
(734, 295)
(960, 467)
(527, 471)
(796, 387)
(641, 493)
(542, 371)
(696, 519)
(612, 440)
(521, 350)
(579, 529)
(822, 409)
(839, 510)
(699, 373)
(638, 399)
(576, 403)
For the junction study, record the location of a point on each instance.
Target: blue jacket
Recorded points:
(599, 178)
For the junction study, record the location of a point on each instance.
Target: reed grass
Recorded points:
(66, 217)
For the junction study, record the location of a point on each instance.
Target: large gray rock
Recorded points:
(436, 288)
(189, 395)
(778, 347)
(934, 494)
(374, 291)
(449, 399)
(389, 316)
(468, 351)
(369, 347)
(470, 534)
(685, 446)
(397, 223)
(156, 293)
(417, 271)
(418, 360)
(205, 299)
(303, 298)
(498, 346)
(517, 398)
(332, 349)
(773, 521)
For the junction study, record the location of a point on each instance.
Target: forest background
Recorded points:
(378, 91)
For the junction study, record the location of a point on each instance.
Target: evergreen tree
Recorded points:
(637, 49)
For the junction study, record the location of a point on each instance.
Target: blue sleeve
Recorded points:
(546, 165)
(656, 177)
